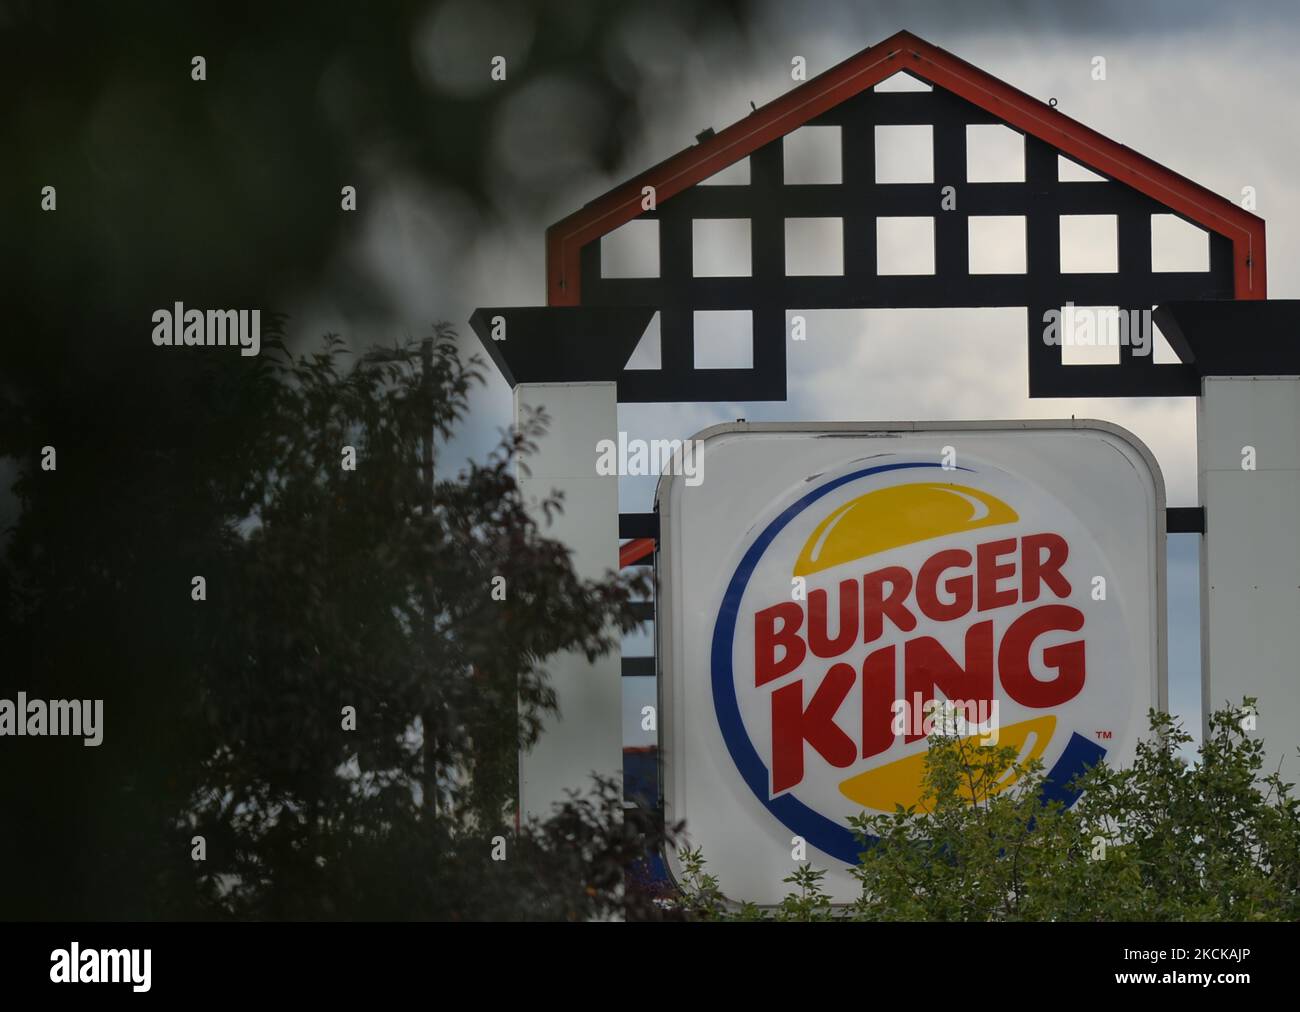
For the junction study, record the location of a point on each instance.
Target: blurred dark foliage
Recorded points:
(226, 192)
(326, 588)
(223, 717)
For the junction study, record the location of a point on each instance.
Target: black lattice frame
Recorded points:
(858, 200)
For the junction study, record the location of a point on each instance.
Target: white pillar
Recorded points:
(1250, 555)
(587, 736)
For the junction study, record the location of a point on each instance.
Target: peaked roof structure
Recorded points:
(906, 52)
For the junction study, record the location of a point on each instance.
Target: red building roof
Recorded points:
(904, 51)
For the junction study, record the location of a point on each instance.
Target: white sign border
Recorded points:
(665, 603)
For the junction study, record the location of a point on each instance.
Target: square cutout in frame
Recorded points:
(648, 353)
(723, 339)
(1089, 244)
(996, 244)
(1178, 246)
(1070, 171)
(1091, 335)
(814, 247)
(735, 174)
(720, 248)
(631, 250)
(994, 154)
(1162, 352)
(902, 81)
(812, 155)
(904, 246)
(905, 154)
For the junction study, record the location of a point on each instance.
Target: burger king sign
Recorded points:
(827, 588)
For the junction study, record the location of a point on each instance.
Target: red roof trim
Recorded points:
(632, 552)
(566, 238)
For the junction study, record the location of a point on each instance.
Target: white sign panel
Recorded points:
(824, 586)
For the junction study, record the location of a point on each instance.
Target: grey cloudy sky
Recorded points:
(1203, 88)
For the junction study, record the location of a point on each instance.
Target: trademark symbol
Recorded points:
(1102, 734)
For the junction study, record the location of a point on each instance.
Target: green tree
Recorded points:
(327, 588)
(1163, 839)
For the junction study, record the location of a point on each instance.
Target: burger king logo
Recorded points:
(868, 596)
